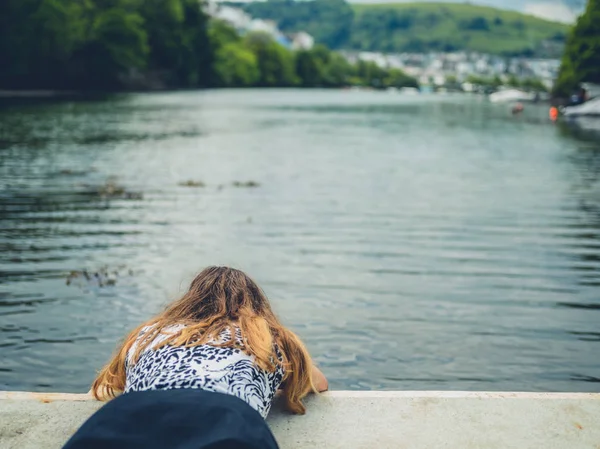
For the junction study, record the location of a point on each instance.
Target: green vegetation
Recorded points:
(581, 61)
(257, 60)
(149, 44)
(451, 27)
(415, 27)
(102, 44)
(328, 21)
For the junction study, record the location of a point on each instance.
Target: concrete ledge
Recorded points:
(353, 419)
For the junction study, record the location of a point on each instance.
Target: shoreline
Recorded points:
(37, 93)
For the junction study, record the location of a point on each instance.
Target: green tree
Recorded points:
(329, 21)
(276, 64)
(397, 78)
(581, 60)
(339, 70)
(476, 24)
(70, 43)
(178, 41)
(314, 67)
(370, 74)
(236, 66)
(38, 37)
(117, 44)
(309, 69)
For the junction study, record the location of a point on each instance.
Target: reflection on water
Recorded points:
(414, 242)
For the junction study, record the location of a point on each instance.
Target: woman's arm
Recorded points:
(319, 380)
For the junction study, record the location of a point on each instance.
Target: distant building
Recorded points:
(302, 41)
(244, 23)
(378, 58)
(235, 17)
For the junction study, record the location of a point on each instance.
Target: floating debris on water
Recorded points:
(72, 172)
(112, 190)
(104, 277)
(247, 184)
(191, 183)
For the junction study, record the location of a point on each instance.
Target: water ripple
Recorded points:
(414, 243)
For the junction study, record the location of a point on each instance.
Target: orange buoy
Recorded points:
(554, 113)
(518, 108)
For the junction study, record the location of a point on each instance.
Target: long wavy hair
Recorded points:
(220, 298)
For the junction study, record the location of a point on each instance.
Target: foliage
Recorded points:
(117, 43)
(319, 67)
(121, 44)
(493, 82)
(235, 65)
(177, 39)
(276, 65)
(581, 60)
(329, 21)
(414, 27)
(101, 44)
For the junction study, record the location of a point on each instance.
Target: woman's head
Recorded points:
(221, 298)
(220, 293)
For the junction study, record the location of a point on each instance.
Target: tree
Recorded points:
(397, 78)
(309, 69)
(329, 21)
(236, 66)
(38, 38)
(339, 70)
(475, 24)
(276, 64)
(314, 67)
(370, 74)
(117, 44)
(581, 60)
(178, 40)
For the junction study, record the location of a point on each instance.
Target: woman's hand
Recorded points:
(319, 380)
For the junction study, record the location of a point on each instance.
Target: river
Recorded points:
(414, 242)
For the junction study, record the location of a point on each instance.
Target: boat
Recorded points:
(593, 90)
(590, 108)
(511, 95)
(409, 91)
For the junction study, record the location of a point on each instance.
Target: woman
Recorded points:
(202, 374)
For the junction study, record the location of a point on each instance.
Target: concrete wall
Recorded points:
(341, 419)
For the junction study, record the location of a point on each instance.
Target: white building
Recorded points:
(235, 17)
(302, 41)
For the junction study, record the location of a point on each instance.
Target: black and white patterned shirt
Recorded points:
(207, 367)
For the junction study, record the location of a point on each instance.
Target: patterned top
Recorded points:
(212, 368)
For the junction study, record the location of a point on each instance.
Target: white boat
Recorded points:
(590, 108)
(593, 90)
(409, 91)
(511, 95)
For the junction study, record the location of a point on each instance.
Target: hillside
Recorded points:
(443, 26)
(415, 27)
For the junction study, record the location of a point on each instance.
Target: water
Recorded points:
(413, 242)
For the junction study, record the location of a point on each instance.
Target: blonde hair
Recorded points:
(220, 298)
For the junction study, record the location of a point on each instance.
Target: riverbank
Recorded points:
(359, 419)
(36, 93)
